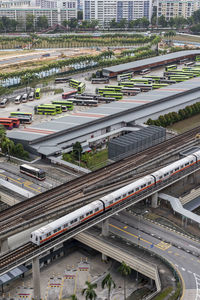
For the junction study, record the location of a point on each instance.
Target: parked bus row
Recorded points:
(27, 97)
(54, 108)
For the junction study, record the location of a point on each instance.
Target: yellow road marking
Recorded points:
(75, 286)
(26, 183)
(163, 246)
(61, 288)
(169, 251)
(125, 227)
(177, 254)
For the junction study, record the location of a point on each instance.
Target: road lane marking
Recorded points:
(163, 246)
(197, 279)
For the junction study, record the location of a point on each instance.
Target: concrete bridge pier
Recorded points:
(105, 232)
(154, 200)
(4, 245)
(36, 278)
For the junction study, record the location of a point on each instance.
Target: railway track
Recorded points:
(73, 190)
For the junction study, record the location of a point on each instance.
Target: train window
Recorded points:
(130, 192)
(91, 212)
(149, 182)
(137, 189)
(81, 217)
(40, 238)
(97, 209)
(75, 220)
(142, 186)
(65, 225)
(191, 161)
(55, 230)
(176, 169)
(187, 164)
(31, 236)
(110, 202)
(36, 238)
(72, 222)
(182, 166)
(59, 228)
(124, 195)
(160, 177)
(118, 198)
(87, 214)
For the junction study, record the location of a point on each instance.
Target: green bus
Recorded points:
(179, 78)
(142, 80)
(195, 71)
(37, 93)
(113, 94)
(18, 113)
(116, 88)
(68, 104)
(103, 90)
(171, 67)
(186, 74)
(158, 85)
(57, 106)
(126, 83)
(125, 76)
(45, 110)
(74, 83)
(151, 77)
(81, 88)
(197, 58)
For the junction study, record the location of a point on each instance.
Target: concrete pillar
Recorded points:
(154, 200)
(105, 228)
(36, 277)
(104, 257)
(3, 245)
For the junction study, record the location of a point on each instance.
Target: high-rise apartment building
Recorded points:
(106, 10)
(55, 11)
(176, 8)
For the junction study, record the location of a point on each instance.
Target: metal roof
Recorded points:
(57, 134)
(150, 61)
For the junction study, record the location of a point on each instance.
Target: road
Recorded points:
(179, 250)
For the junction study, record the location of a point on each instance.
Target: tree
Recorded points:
(144, 22)
(2, 135)
(161, 21)
(113, 23)
(73, 297)
(122, 23)
(109, 283)
(179, 22)
(73, 23)
(77, 150)
(89, 291)
(42, 22)
(80, 15)
(30, 22)
(125, 270)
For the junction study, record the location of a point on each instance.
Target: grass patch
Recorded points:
(164, 293)
(98, 160)
(186, 124)
(188, 38)
(58, 91)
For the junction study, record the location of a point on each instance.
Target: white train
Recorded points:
(97, 207)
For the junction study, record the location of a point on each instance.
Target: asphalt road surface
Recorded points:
(180, 251)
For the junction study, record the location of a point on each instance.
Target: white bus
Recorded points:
(18, 99)
(3, 102)
(31, 96)
(125, 76)
(24, 98)
(145, 71)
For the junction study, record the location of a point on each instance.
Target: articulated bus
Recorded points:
(68, 94)
(85, 102)
(179, 78)
(68, 104)
(74, 83)
(130, 91)
(126, 83)
(18, 99)
(102, 90)
(142, 80)
(189, 64)
(100, 80)
(62, 80)
(144, 87)
(158, 85)
(3, 102)
(171, 67)
(23, 114)
(113, 94)
(37, 93)
(125, 76)
(117, 88)
(81, 88)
